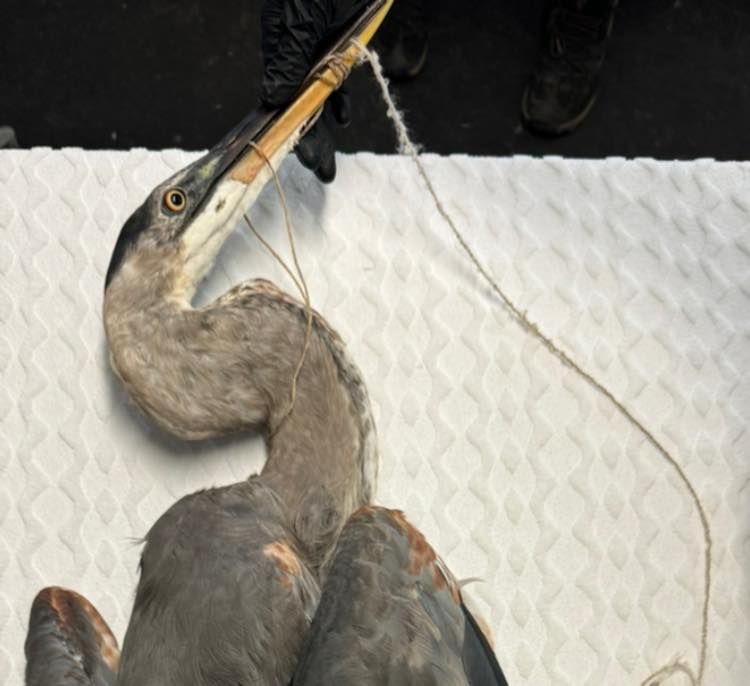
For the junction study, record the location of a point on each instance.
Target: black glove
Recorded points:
(295, 35)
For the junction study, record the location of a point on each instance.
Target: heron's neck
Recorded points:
(323, 453)
(223, 368)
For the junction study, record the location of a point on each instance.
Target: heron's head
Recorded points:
(182, 224)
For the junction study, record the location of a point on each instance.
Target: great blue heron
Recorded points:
(231, 577)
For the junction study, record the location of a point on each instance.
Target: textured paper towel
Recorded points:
(589, 549)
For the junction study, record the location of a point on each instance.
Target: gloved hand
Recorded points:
(295, 35)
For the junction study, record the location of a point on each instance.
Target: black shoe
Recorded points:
(7, 137)
(565, 81)
(402, 40)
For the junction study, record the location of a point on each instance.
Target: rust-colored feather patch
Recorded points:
(422, 555)
(285, 559)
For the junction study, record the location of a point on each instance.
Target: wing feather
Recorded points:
(391, 613)
(68, 643)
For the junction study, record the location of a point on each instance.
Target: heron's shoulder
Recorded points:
(210, 518)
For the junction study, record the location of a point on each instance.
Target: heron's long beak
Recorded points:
(200, 205)
(261, 136)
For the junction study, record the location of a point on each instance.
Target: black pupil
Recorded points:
(176, 199)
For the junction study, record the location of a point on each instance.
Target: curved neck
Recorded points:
(228, 366)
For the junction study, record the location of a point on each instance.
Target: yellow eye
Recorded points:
(175, 200)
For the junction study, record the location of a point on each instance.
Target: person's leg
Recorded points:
(402, 41)
(565, 79)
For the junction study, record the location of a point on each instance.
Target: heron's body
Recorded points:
(231, 577)
(216, 559)
(225, 593)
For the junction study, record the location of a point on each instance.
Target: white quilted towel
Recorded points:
(589, 548)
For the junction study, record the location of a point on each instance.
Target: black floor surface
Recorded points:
(179, 73)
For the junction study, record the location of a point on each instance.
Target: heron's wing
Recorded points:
(225, 594)
(479, 659)
(391, 613)
(68, 643)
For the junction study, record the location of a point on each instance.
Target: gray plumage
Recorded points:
(227, 367)
(391, 614)
(225, 595)
(211, 585)
(229, 576)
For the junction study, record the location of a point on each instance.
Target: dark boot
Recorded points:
(402, 40)
(7, 137)
(565, 80)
